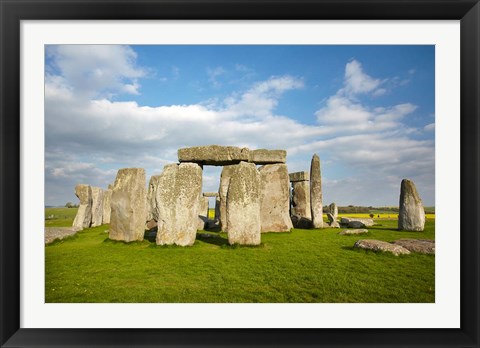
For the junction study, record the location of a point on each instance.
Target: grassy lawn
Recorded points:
(301, 266)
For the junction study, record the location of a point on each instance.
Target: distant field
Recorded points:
(59, 217)
(383, 216)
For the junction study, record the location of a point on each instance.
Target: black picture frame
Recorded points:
(12, 12)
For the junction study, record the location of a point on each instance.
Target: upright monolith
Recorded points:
(127, 219)
(275, 198)
(97, 206)
(411, 215)
(222, 195)
(152, 208)
(83, 219)
(316, 199)
(243, 205)
(107, 198)
(178, 198)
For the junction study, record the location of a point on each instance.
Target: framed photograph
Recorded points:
(386, 92)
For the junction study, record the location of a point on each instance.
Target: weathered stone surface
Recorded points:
(411, 216)
(299, 176)
(152, 207)
(316, 197)
(178, 193)
(332, 222)
(243, 205)
(107, 198)
(356, 222)
(275, 198)
(210, 194)
(97, 206)
(424, 246)
(202, 213)
(54, 233)
(301, 199)
(217, 210)
(263, 156)
(222, 192)
(301, 222)
(214, 155)
(127, 220)
(333, 210)
(356, 231)
(83, 219)
(378, 245)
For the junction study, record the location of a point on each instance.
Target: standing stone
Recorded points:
(333, 210)
(243, 205)
(83, 219)
(152, 208)
(202, 213)
(275, 198)
(316, 203)
(301, 199)
(107, 197)
(127, 220)
(411, 215)
(178, 197)
(222, 193)
(217, 208)
(97, 206)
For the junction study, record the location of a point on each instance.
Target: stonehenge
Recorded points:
(250, 200)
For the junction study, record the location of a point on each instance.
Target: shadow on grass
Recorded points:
(211, 238)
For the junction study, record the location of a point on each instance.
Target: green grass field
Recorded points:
(301, 266)
(59, 217)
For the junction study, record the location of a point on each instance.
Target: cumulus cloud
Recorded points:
(89, 138)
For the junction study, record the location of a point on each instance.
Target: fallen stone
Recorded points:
(83, 219)
(316, 197)
(151, 224)
(97, 206)
(356, 222)
(262, 156)
(178, 193)
(275, 198)
(127, 220)
(107, 210)
(243, 205)
(356, 231)
(424, 246)
(301, 222)
(214, 155)
(58, 233)
(152, 206)
(210, 194)
(378, 245)
(299, 176)
(411, 216)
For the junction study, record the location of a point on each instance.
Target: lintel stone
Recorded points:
(210, 194)
(299, 176)
(263, 156)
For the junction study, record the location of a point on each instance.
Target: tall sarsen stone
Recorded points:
(83, 219)
(128, 210)
(316, 199)
(411, 215)
(178, 197)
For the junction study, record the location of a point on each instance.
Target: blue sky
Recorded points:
(367, 111)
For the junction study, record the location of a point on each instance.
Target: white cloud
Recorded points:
(214, 74)
(94, 70)
(429, 127)
(356, 81)
(89, 139)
